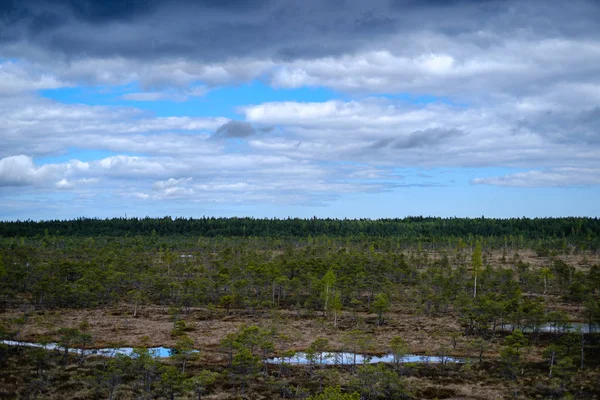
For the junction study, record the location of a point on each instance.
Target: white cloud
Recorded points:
(172, 188)
(178, 74)
(224, 178)
(20, 170)
(172, 95)
(158, 185)
(404, 134)
(17, 170)
(143, 196)
(36, 126)
(434, 64)
(552, 177)
(64, 184)
(20, 77)
(138, 167)
(177, 191)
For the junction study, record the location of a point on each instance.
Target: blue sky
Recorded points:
(258, 109)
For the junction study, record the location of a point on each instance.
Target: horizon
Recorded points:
(393, 219)
(267, 109)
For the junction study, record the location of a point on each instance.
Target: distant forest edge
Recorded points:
(574, 229)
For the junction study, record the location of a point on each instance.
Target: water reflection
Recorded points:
(339, 358)
(158, 352)
(555, 328)
(325, 358)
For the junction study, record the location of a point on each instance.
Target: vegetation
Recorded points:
(516, 231)
(225, 295)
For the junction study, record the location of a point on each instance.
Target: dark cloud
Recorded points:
(108, 10)
(93, 11)
(586, 126)
(592, 117)
(7, 7)
(214, 30)
(99, 11)
(46, 21)
(421, 138)
(408, 4)
(565, 127)
(370, 22)
(234, 129)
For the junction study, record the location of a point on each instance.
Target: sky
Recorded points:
(273, 108)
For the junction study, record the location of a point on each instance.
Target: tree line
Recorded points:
(577, 231)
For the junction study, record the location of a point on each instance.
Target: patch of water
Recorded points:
(325, 358)
(158, 352)
(339, 358)
(570, 327)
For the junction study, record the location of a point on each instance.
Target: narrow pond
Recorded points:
(335, 358)
(325, 358)
(159, 352)
(569, 327)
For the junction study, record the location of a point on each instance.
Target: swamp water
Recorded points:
(325, 358)
(335, 358)
(159, 352)
(569, 327)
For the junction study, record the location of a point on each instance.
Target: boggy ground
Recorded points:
(78, 381)
(296, 330)
(19, 379)
(153, 325)
(424, 334)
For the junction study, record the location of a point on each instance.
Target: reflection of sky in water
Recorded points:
(348, 358)
(160, 352)
(570, 327)
(319, 358)
(299, 358)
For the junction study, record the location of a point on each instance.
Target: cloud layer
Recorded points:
(413, 85)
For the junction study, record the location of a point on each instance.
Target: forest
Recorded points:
(577, 230)
(462, 308)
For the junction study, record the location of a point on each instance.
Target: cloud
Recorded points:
(428, 137)
(220, 178)
(551, 177)
(432, 63)
(170, 183)
(387, 46)
(20, 170)
(211, 30)
(64, 184)
(17, 170)
(399, 133)
(312, 142)
(35, 126)
(208, 30)
(412, 84)
(172, 188)
(171, 95)
(234, 129)
(176, 191)
(564, 126)
(19, 77)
